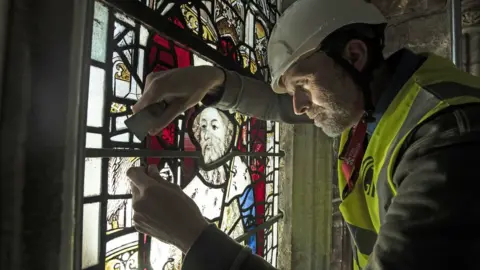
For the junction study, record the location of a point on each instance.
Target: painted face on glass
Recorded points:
(213, 131)
(324, 91)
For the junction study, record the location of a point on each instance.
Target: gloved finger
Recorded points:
(139, 223)
(139, 178)
(152, 170)
(135, 192)
(173, 109)
(153, 92)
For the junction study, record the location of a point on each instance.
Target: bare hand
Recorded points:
(181, 88)
(163, 210)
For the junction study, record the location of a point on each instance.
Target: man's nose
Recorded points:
(301, 102)
(206, 134)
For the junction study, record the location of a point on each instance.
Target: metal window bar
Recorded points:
(456, 31)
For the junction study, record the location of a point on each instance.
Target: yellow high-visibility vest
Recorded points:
(435, 86)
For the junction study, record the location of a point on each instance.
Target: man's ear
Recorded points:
(356, 53)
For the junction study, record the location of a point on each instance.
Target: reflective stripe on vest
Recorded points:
(436, 85)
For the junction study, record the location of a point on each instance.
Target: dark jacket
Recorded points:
(432, 221)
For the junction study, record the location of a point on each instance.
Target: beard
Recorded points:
(339, 109)
(333, 122)
(213, 149)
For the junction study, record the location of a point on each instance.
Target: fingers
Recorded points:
(153, 172)
(152, 92)
(174, 109)
(135, 193)
(142, 178)
(139, 178)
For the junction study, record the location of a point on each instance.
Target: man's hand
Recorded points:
(181, 88)
(162, 210)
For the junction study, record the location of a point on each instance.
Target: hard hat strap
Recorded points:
(362, 79)
(374, 38)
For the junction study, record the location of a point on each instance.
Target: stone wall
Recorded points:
(420, 25)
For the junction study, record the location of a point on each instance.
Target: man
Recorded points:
(214, 132)
(410, 134)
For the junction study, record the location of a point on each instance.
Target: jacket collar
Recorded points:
(404, 63)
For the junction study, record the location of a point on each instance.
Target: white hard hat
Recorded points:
(306, 23)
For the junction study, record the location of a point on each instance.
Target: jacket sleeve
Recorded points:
(255, 98)
(432, 221)
(214, 250)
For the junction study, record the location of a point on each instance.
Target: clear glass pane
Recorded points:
(93, 167)
(99, 34)
(92, 177)
(93, 140)
(96, 93)
(91, 234)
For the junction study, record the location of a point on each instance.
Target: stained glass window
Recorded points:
(226, 162)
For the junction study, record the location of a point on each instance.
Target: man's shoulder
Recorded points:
(452, 126)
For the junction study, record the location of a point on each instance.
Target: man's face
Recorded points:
(325, 92)
(212, 135)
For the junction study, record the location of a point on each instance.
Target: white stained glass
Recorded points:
(231, 223)
(141, 58)
(96, 93)
(240, 179)
(99, 32)
(118, 182)
(124, 137)
(198, 61)
(120, 126)
(124, 85)
(92, 173)
(120, 246)
(209, 200)
(166, 173)
(92, 177)
(93, 140)
(143, 36)
(120, 242)
(122, 88)
(120, 122)
(277, 132)
(164, 256)
(119, 214)
(90, 234)
(250, 29)
(119, 28)
(125, 19)
(167, 7)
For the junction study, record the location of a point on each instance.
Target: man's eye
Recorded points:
(214, 127)
(204, 126)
